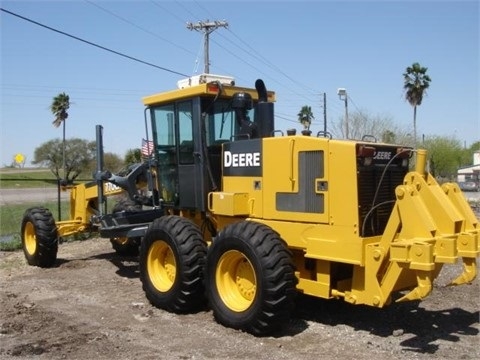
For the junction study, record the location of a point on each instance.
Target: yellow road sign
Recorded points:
(19, 158)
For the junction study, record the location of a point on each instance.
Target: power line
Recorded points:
(203, 8)
(250, 51)
(168, 11)
(241, 59)
(186, 9)
(353, 102)
(265, 61)
(207, 27)
(183, 22)
(108, 91)
(92, 44)
(138, 26)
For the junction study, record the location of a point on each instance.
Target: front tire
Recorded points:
(250, 278)
(39, 237)
(172, 258)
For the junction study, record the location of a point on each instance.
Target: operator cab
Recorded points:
(189, 126)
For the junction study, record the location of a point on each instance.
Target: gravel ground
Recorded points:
(91, 306)
(33, 195)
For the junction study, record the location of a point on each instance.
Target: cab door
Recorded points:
(187, 178)
(173, 136)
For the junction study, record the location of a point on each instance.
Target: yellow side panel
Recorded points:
(284, 179)
(294, 195)
(343, 185)
(323, 242)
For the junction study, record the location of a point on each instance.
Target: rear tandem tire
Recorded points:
(172, 259)
(39, 237)
(250, 278)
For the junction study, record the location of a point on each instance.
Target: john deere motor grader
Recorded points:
(242, 215)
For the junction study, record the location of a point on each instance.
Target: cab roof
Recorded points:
(208, 89)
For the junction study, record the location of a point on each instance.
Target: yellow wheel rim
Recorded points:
(236, 281)
(161, 266)
(30, 239)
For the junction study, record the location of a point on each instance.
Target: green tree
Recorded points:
(475, 146)
(388, 136)
(467, 154)
(305, 116)
(59, 108)
(133, 156)
(445, 156)
(79, 154)
(416, 82)
(112, 162)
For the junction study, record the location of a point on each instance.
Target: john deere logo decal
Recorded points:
(242, 158)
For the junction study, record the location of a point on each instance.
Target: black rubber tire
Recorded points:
(39, 237)
(270, 304)
(128, 247)
(172, 259)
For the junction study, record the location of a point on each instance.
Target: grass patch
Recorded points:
(15, 243)
(27, 179)
(11, 217)
(31, 178)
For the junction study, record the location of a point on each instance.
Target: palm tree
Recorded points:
(305, 116)
(59, 107)
(416, 82)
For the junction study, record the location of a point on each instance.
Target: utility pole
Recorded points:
(207, 27)
(325, 113)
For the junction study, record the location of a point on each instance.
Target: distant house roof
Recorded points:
(469, 169)
(472, 168)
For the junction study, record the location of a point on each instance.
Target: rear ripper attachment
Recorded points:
(429, 226)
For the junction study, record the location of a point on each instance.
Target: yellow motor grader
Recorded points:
(235, 212)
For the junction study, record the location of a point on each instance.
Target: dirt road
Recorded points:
(91, 306)
(34, 195)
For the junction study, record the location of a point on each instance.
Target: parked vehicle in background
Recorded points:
(469, 186)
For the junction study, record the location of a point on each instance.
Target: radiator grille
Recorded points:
(374, 212)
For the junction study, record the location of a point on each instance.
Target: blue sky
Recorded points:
(300, 49)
